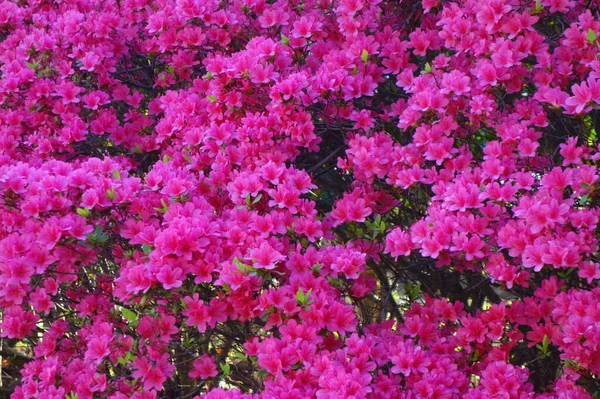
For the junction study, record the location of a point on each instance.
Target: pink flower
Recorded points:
(265, 256)
(408, 359)
(398, 243)
(17, 323)
(582, 96)
(196, 312)
(68, 91)
(95, 99)
(98, 349)
(170, 277)
(204, 368)
(456, 82)
(589, 271)
(152, 376)
(89, 199)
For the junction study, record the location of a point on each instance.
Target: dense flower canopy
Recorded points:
(300, 199)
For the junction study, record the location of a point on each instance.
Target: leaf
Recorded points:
(263, 373)
(226, 368)
(240, 355)
(164, 208)
(212, 99)
(303, 298)
(412, 290)
(364, 56)
(284, 39)
(300, 295)
(543, 347)
(116, 174)
(84, 212)
(591, 35)
(129, 315)
(242, 267)
(111, 194)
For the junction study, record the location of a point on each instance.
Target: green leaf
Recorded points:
(240, 355)
(364, 56)
(116, 174)
(303, 298)
(131, 383)
(263, 373)
(412, 290)
(226, 368)
(591, 35)
(284, 39)
(538, 6)
(300, 295)
(164, 208)
(543, 347)
(84, 212)
(592, 137)
(129, 315)
(111, 194)
(242, 267)
(427, 67)
(146, 249)
(212, 99)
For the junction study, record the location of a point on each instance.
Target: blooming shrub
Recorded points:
(301, 199)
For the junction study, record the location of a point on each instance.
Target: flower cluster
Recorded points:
(301, 199)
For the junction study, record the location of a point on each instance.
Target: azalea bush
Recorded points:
(300, 199)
